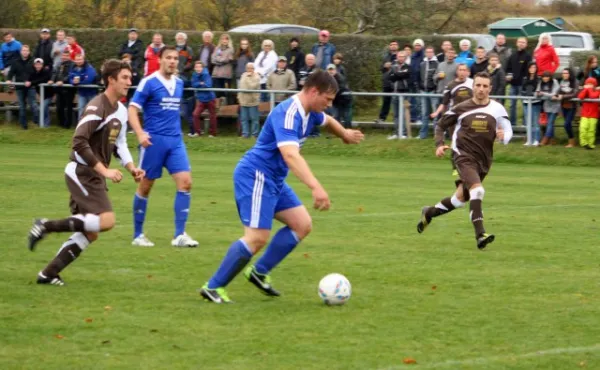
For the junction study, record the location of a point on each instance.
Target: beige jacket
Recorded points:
(281, 80)
(249, 81)
(222, 59)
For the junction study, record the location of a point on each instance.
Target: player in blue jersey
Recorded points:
(159, 96)
(262, 194)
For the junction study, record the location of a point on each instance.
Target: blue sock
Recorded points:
(283, 243)
(182, 210)
(235, 260)
(139, 214)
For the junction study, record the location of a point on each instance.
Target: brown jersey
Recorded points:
(457, 92)
(475, 131)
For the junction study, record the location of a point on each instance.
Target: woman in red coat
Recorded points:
(545, 55)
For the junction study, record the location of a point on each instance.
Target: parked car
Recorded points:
(566, 42)
(293, 29)
(487, 41)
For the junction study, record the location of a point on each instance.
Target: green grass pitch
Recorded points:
(530, 301)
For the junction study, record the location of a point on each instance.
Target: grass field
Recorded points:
(530, 301)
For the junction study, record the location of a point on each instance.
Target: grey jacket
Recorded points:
(547, 91)
(503, 52)
(449, 68)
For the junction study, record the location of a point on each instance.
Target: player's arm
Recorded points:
(504, 130)
(448, 119)
(348, 136)
(124, 155)
(137, 102)
(299, 167)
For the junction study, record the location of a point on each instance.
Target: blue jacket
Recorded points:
(415, 66)
(328, 52)
(87, 76)
(465, 57)
(203, 80)
(9, 52)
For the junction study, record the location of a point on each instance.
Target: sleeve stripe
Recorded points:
(91, 117)
(324, 122)
(286, 143)
(289, 116)
(135, 105)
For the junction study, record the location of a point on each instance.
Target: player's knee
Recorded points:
(91, 237)
(457, 202)
(256, 241)
(303, 228)
(185, 184)
(477, 192)
(107, 221)
(144, 188)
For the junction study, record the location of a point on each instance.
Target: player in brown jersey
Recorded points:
(100, 133)
(479, 122)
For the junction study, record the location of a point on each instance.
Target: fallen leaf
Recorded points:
(213, 202)
(582, 364)
(89, 319)
(161, 257)
(434, 287)
(360, 209)
(176, 346)
(153, 331)
(106, 342)
(306, 255)
(107, 308)
(58, 336)
(409, 361)
(149, 276)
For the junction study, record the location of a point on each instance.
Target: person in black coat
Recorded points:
(44, 49)
(64, 95)
(42, 75)
(295, 57)
(516, 71)
(134, 47)
(342, 103)
(20, 70)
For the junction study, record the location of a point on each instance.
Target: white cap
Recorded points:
(418, 41)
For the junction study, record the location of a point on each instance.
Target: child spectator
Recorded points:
(528, 87)
(568, 90)
(338, 60)
(589, 114)
(548, 91)
(39, 76)
(249, 102)
(342, 103)
(205, 100)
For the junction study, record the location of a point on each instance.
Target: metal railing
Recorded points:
(272, 93)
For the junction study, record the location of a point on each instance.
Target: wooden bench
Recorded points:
(10, 101)
(233, 111)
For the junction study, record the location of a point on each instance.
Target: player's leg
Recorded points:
(295, 216)
(476, 193)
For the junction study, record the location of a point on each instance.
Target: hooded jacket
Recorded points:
(465, 57)
(9, 52)
(546, 59)
(589, 109)
(87, 76)
(549, 90)
(200, 81)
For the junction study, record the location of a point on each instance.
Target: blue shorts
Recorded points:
(259, 198)
(165, 151)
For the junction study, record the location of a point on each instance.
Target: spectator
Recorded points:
(446, 70)
(41, 75)
(591, 69)
(516, 71)
(250, 80)
(281, 79)
(498, 76)
(151, 55)
(64, 95)
(338, 61)
(266, 63)
(295, 57)
(243, 56)
(589, 114)
(82, 73)
(10, 51)
(569, 87)
(342, 103)
(465, 56)
(408, 50)
(500, 49)
(21, 69)
(548, 91)
(206, 50)
(415, 66)
(481, 61)
(44, 49)
(222, 60)
(400, 79)
(134, 47)
(528, 88)
(205, 100)
(58, 47)
(427, 85)
(184, 71)
(446, 45)
(386, 66)
(73, 47)
(135, 77)
(323, 50)
(545, 55)
(307, 70)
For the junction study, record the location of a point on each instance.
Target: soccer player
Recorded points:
(159, 96)
(480, 121)
(262, 194)
(100, 133)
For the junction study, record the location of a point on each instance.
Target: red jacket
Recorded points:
(74, 50)
(546, 59)
(589, 109)
(152, 60)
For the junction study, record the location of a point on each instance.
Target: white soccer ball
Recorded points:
(335, 289)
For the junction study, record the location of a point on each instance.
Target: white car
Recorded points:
(484, 40)
(566, 42)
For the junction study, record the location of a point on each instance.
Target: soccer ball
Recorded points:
(334, 289)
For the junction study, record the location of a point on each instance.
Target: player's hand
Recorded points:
(433, 115)
(500, 134)
(144, 139)
(321, 199)
(59, 83)
(353, 137)
(114, 175)
(441, 150)
(138, 174)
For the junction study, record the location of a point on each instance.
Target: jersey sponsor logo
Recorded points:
(479, 125)
(91, 107)
(170, 103)
(479, 116)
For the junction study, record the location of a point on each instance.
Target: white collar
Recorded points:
(300, 107)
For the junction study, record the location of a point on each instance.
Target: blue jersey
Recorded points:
(160, 99)
(287, 124)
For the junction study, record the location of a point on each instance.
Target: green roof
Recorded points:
(517, 22)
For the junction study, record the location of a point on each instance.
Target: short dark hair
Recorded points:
(481, 47)
(112, 68)
(322, 80)
(165, 49)
(483, 75)
(430, 47)
(6, 34)
(199, 62)
(493, 55)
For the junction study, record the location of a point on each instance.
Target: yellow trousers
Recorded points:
(587, 131)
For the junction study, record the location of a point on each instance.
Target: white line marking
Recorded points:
(487, 360)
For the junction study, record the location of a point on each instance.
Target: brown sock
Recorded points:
(66, 224)
(443, 207)
(66, 254)
(477, 217)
